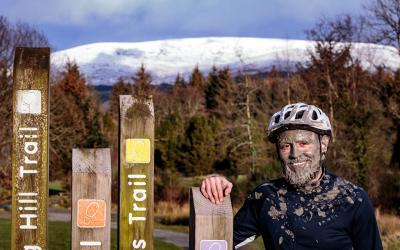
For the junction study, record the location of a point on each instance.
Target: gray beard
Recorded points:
(303, 177)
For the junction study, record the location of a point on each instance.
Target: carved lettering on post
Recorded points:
(30, 148)
(136, 170)
(91, 198)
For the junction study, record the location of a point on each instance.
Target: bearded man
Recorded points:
(310, 208)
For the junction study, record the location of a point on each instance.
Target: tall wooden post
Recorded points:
(30, 149)
(211, 226)
(91, 198)
(136, 170)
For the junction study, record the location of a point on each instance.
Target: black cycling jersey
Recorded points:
(336, 214)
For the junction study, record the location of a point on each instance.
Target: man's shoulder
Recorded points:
(269, 186)
(348, 188)
(342, 182)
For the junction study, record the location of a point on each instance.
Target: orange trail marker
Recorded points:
(91, 213)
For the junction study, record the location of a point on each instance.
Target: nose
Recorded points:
(294, 151)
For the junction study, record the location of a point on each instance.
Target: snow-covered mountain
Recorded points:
(104, 63)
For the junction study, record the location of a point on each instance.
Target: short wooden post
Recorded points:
(30, 149)
(136, 170)
(211, 226)
(91, 198)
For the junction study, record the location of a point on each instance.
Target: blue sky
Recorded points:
(76, 22)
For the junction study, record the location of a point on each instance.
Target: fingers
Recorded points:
(208, 190)
(203, 189)
(220, 193)
(215, 188)
(227, 188)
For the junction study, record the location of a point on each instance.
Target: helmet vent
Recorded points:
(287, 114)
(314, 115)
(299, 115)
(277, 118)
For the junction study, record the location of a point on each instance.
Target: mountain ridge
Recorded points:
(104, 63)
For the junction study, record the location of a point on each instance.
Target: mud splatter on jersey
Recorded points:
(333, 214)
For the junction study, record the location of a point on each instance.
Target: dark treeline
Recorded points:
(216, 122)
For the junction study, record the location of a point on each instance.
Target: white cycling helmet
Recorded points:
(299, 116)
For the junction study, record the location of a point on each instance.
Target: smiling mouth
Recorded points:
(298, 164)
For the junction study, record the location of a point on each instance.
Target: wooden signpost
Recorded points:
(91, 198)
(211, 226)
(136, 170)
(30, 149)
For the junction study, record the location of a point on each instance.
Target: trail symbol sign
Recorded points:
(91, 213)
(213, 245)
(138, 150)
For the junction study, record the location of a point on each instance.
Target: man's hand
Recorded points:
(215, 188)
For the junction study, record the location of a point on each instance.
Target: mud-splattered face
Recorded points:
(300, 153)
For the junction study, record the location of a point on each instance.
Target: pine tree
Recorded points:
(120, 88)
(170, 136)
(198, 153)
(67, 130)
(197, 79)
(212, 90)
(179, 81)
(220, 93)
(228, 95)
(142, 82)
(95, 137)
(73, 82)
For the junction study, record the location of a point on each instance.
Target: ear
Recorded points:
(324, 143)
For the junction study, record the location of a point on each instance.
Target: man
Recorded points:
(309, 208)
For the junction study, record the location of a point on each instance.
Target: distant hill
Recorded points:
(104, 63)
(104, 91)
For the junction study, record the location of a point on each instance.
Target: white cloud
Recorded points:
(84, 21)
(73, 11)
(83, 12)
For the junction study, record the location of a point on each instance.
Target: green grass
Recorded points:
(257, 244)
(176, 228)
(62, 230)
(393, 244)
(55, 187)
(5, 232)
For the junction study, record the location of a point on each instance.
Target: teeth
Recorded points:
(298, 163)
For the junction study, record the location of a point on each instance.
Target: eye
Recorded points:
(303, 144)
(284, 146)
